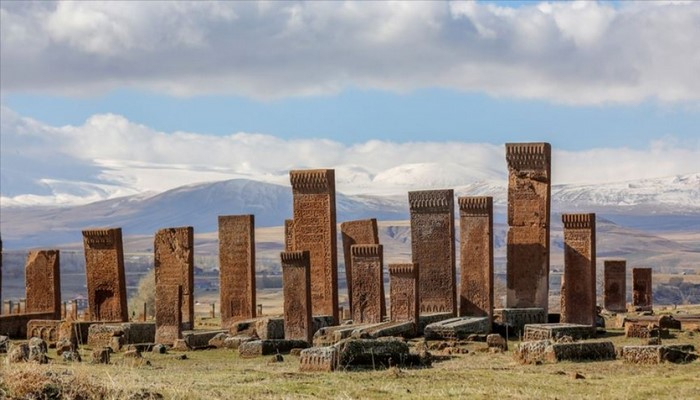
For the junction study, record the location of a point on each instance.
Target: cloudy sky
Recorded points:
(102, 99)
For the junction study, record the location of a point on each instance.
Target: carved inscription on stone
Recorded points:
(356, 232)
(296, 275)
(404, 292)
(641, 287)
(476, 256)
(43, 282)
(315, 230)
(168, 314)
(288, 235)
(529, 188)
(44, 329)
(237, 268)
(104, 270)
(615, 293)
(433, 248)
(368, 281)
(578, 296)
(174, 265)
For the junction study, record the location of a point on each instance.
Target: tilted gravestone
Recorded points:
(641, 288)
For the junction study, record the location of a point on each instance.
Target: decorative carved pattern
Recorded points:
(368, 282)
(168, 314)
(641, 287)
(174, 265)
(529, 156)
(312, 180)
(404, 292)
(356, 232)
(578, 221)
(578, 294)
(615, 293)
(104, 270)
(43, 282)
(237, 268)
(476, 256)
(296, 275)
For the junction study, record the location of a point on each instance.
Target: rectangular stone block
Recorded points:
(641, 288)
(368, 281)
(517, 318)
(318, 359)
(265, 327)
(333, 334)
(46, 329)
(237, 268)
(296, 274)
(15, 325)
(101, 334)
(76, 332)
(257, 348)
(197, 340)
(578, 295)
(168, 314)
(557, 331)
(433, 249)
(582, 351)
(529, 198)
(476, 256)
(457, 328)
(371, 352)
(427, 319)
(404, 292)
(356, 232)
(43, 282)
(174, 265)
(104, 270)
(315, 231)
(405, 329)
(657, 354)
(615, 285)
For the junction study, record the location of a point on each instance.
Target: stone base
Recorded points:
(257, 348)
(515, 319)
(403, 329)
(371, 352)
(556, 331)
(427, 319)
(584, 351)
(658, 354)
(457, 328)
(198, 340)
(319, 359)
(645, 331)
(100, 334)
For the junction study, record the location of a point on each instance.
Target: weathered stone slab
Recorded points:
(43, 282)
(404, 292)
(582, 351)
(75, 332)
(644, 330)
(168, 313)
(333, 334)
(427, 319)
(615, 285)
(263, 327)
(517, 318)
(296, 271)
(15, 325)
(174, 265)
(356, 232)
(578, 295)
(101, 334)
(433, 249)
(476, 256)
(557, 331)
(371, 352)
(405, 329)
(657, 354)
(319, 359)
(529, 197)
(662, 321)
(257, 348)
(315, 231)
(104, 270)
(689, 322)
(368, 281)
(288, 235)
(641, 288)
(45, 329)
(237, 268)
(197, 340)
(457, 328)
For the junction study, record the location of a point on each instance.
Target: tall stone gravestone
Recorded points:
(168, 314)
(356, 232)
(314, 230)
(404, 292)
(615, 293)
(296, 276)
(104, 270)
(433, 249)
(476, 256)
(43, 282)
(578, 295)
(529, 188)
(174, 266)
(236, 268)
(641, 288)
(368, 281)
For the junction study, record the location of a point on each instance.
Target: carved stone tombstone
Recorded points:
(104, 270)
(237, 268)
(615, 293)
(433, 249)
(578, 296)
(43, 282)
(476, 256)
(174, 265)
(168, 314)
(296, 276)
(356, 232)
(529, 189)
(315, 231)
(404, 292)
(368, 281)
(641, 288)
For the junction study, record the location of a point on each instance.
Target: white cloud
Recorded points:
(110, 156)
(569, 52)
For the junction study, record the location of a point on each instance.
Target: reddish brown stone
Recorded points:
(529, 188)
(368, 281)
(476, 256)
(168, 314)
(296, 274)
(237, 268)
(288, 235)
(578, 297)
(315, 230)
(615, 293)
(641, 287)
(1, 302)
(356, 232)
(43, 282)
(433, 248)
(404, 292)
(174, 265)
(104, 270)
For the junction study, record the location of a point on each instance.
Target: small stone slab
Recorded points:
(333, 334)
(556, 331)
(658, 354)
(319, 359)
(645, 331)
(583, 351)
(457, 328)
(100, 335)
(257, 348)
(427, 319)
(197, 340)
(371, 352)
(264, 327)
(405, 329)
(517, 318)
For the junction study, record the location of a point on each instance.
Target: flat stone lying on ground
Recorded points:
(427, 319)
(658, 354)
(257, 348)
(645, 331)
(516, 318)
(101, 334)
(581, 351)
(264, 327)
(375, 353)
(556, 331)
(403, 329)
(333, 334)
(457, 328)
(197, 340)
